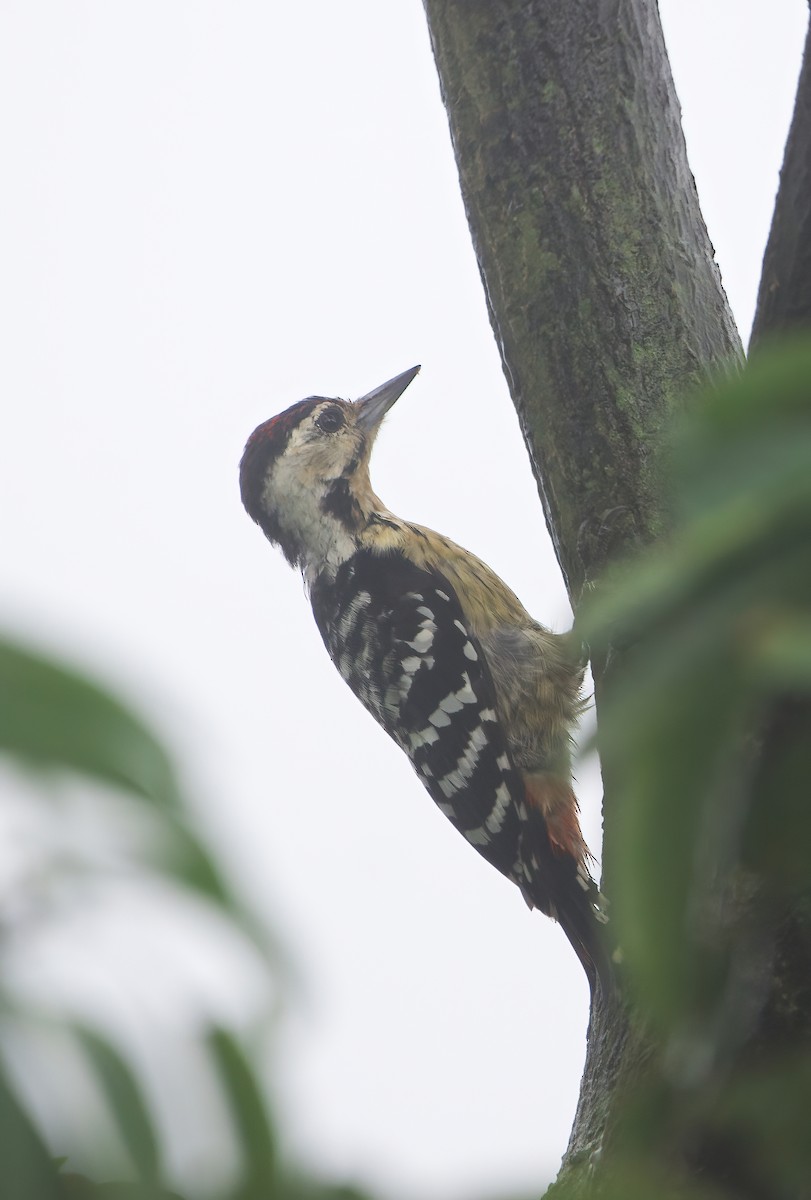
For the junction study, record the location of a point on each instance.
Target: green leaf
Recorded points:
(27, 1171)
(128, 1106)
(249, 1112)
(79, 1187)
(55, 717)
(780, 650)
(765, 1110)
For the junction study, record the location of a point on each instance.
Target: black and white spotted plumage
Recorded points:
(479, 695)
(397, 635)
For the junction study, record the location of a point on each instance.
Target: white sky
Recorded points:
(210, 210)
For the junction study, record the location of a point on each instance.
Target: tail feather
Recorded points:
(557, 881)
(584, 922)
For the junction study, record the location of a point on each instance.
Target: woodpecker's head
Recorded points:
(304, 476)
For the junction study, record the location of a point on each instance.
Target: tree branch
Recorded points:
(784, 296)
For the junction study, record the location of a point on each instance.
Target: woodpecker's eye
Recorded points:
(330, 420)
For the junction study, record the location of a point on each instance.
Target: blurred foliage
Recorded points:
(705, 735)
(56, 722)
(55, 719)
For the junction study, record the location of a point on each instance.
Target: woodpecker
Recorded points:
(481, 697)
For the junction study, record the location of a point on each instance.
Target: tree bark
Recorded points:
(602, 290)
(784, 296)
(603, 295)
(784, 307)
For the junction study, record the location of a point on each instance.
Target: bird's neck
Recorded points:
(331, 531)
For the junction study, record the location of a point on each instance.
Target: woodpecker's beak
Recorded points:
(373, 407)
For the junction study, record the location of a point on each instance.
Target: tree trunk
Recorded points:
(604, 298)
(784, 307)
(602, 290)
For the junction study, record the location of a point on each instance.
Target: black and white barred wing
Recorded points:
(397, 635)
